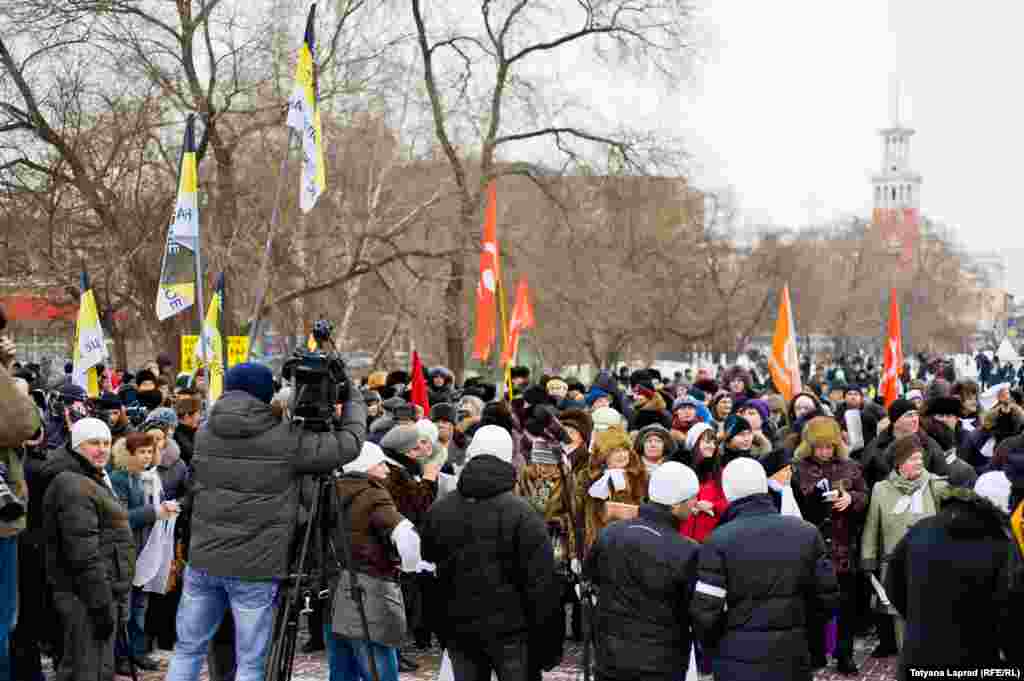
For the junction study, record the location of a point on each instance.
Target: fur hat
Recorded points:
(609, 440)
(578, 420)
(377, 380)
(899, 408)
(397, 378)
(708, 385)
(904, 448)
(658, 431)
(943, 406)
(820, 431)
(443, 411)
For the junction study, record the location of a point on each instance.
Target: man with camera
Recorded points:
(19, 419)
(248, 470)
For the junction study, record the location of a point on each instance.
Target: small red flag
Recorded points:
(522, 318)
(419, 385)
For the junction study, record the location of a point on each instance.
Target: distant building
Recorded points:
(897, 193)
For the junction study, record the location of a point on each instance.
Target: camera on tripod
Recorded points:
(320, 381)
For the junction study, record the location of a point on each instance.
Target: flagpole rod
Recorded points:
(275, 217)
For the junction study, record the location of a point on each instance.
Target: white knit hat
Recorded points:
(493, 440)
(605, 418)
(369, 456)
(694, 433)
(995, 487)
(427, 430)
(88, 429)
(672, 483)
(744, 477)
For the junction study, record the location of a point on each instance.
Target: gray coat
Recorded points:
(247, 477)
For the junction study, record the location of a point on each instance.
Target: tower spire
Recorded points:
(894, 100)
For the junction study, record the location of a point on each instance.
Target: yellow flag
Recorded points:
(304, 118)
(213, 355)
(177, 290)
(90, 347)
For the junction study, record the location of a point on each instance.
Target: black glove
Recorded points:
(102, 623)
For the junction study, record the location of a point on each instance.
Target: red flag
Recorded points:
(890, 387)
(486, 288)
(419, 385)
(522, 318)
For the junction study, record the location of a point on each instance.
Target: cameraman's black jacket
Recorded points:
(247, 474)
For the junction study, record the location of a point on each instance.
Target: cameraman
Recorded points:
(19, 420)
(248, 470)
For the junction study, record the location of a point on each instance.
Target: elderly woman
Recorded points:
(383, 544)
(909, 494)
(830, 491)
(655, 446)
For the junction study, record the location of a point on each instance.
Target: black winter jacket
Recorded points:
(759, 575)
(495, 564)
(248, 470)
(644, 571)
(948, 578)
(90, 551)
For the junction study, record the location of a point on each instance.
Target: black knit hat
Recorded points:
(519, 372)
(735, 425)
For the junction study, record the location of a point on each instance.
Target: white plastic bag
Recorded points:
(691, 672)
(446, 673)
(153, 567)
(789, 505)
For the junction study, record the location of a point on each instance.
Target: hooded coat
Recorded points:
(248, 470)
(495, 565)
(948, 579)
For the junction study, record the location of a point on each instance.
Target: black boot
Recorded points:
(847, 667)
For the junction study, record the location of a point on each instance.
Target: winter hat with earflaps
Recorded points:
(672, 483)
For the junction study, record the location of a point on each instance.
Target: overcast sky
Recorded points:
(787, 102)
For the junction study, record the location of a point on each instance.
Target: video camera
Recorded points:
(320, 381)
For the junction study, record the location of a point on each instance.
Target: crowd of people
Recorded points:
(697, 524)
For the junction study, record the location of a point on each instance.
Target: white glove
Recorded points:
(618, 479)
(575, 566)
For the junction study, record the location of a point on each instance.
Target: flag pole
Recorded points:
(200, 305)
(275, 217)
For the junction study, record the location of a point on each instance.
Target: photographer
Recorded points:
(248, 470)
(18, 421)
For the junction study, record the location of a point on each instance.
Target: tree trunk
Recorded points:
(455, 341)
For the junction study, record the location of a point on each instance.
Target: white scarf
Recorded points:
(152, 487)
(915, 502)
(600, 488)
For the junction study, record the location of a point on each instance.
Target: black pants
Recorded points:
(85, 658)
(508, 659)
(846, 621)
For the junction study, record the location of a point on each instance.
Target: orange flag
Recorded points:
(890, 387)
(419, 385)
(522, 318)
(486, 288)
(784, 363)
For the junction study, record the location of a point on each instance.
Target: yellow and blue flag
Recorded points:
(304, 118)
(212, 354)
(178, 274)
(90, 347)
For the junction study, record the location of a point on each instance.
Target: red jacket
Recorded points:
(699, 525)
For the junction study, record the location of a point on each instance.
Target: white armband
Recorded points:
(407, 542)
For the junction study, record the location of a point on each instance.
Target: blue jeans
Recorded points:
(203, 602)
(8, 601)
(136, 643)
(349, 660)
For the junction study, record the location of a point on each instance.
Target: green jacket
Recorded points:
(19, 421)
(884, 529)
